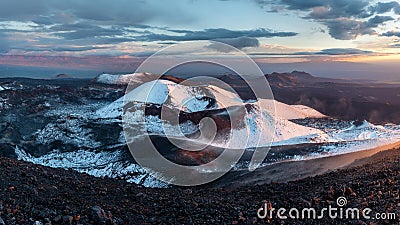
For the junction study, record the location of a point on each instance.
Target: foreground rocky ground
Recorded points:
(33, 194)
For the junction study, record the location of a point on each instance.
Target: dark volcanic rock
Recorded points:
(61, 196)
(67, 219)
(7, 150)
(98, 215)
(40, 116)
(9, 134)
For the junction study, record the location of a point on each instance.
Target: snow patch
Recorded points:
(3, 88)
(98, 164)
(68, 131)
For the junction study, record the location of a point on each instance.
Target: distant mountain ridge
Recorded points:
(293, 78)
(63, 76)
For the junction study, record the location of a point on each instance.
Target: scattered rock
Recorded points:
(98, 215)
(140, 194)
(57, 219)
(67, 219)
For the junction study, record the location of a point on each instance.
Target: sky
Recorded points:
(118, 35)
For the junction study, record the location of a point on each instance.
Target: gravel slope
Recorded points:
(30, 193)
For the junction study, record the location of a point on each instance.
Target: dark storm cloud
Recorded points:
(347, 29)
(239, 43)
(333, 8)
(84, 30)
(343, 51)
(337, 51)
(392, 34)
(384, 7)
(213, 34)
(378, 20)
(345, 19)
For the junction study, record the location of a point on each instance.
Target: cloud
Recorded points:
(329, 9)
(392, 34)
(167, 43)
(347, 29)
(86, 34)
(302, 5)
(345, 19)
(83, 30)
(239, 43)
(337, 51)
(71, 25)
(384, 7)
(329, 51)
(213, 34)
(378, 20)
(343, 51)
(79, 23)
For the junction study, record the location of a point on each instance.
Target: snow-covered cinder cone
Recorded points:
(192, 96)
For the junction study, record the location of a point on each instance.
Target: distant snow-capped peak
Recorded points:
(120, 79)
